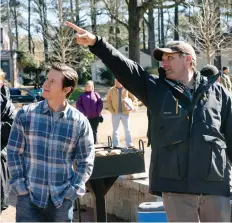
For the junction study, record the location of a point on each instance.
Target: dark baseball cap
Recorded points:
(175, 47)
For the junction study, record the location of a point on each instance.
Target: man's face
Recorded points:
(175, 65)
(53, 86)
(227, 71)
(117, 83)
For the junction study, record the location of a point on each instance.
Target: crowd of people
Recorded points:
(190, 119)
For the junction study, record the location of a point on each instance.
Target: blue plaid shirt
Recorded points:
(41, 152)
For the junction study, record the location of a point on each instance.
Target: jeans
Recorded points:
(125, 122)
(26, 211)
(195, 208)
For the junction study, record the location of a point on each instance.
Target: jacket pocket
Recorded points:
(171, 108)
(216, 160)
(172, 161)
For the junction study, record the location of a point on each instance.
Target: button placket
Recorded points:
(50, 151)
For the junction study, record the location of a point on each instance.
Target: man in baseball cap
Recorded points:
(175, 47)
(191, 119)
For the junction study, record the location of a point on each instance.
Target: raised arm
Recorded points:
(130, 74)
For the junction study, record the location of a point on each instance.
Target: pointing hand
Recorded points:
(82, 36)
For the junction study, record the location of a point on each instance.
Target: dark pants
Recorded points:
(26, 211)
(5, 188)
(94, 122)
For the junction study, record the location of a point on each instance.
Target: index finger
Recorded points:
(77, 28)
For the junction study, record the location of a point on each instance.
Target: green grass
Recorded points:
(74, 96)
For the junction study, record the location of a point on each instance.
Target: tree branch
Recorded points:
(114, 16)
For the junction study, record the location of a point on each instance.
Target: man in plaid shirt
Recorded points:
(45, 139)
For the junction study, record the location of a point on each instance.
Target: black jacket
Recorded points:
(7, 116)
(5, 91)
(189, 140)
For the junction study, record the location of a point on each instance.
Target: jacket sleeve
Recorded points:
(7, 93)
(229, 84)
(15, 152)
(99, 103)
(80, 106)
(5, 132)
(109, 102)
(133, 99)
(130, 74)
(227, 121)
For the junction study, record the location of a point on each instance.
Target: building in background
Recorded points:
(8, 57)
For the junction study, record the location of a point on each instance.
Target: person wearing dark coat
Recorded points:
(7, 116)
(191, 121)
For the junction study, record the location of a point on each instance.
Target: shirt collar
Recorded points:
(63, 114)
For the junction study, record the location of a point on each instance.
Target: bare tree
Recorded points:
(14, 8)
(176, 19)
(41, 9)
(204, 30)
(136, 11)
(63, 48)
(150, 22)
(77, 12)
(60, 10)
(61, 45)
(71, 9)
(93, 16)
(29, 27)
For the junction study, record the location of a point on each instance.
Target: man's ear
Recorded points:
(67, 89)
(189, 58)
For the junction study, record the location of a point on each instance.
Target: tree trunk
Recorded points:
(176, 30)
(93, 17)
(159, 32)
(218, 59)
(134, 28)
(60, 11)
(208, 56)
(29, 26)
(71, 9)
(162, 26)
(144, 36)
(45, 31)
(14, 10)
(77, 13)
(151, 35)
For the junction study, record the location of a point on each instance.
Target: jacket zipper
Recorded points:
(190, 118)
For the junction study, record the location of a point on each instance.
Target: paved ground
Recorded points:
(138, 126)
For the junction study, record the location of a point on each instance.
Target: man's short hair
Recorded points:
(70, 76)
(225, 68)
